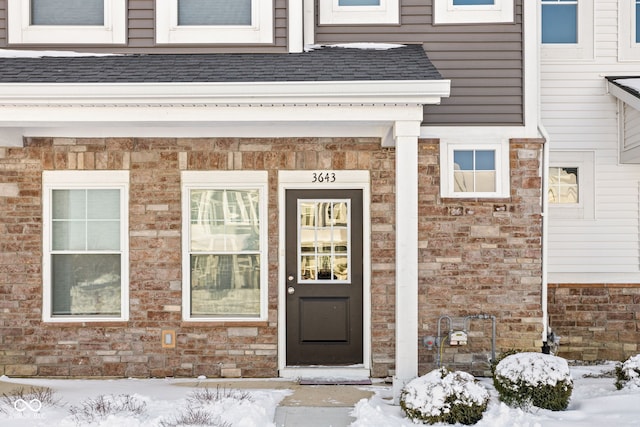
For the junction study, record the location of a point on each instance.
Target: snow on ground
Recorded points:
(12, 53)
(595, 402)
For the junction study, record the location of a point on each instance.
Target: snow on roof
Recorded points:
(12, 53)
(361, 46)
(631, 83)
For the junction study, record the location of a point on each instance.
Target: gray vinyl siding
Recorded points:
(484, 62)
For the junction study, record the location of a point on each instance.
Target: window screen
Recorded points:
(214, 12)
(67, 12)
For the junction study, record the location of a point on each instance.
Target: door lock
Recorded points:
(291, 290)
(290, 278)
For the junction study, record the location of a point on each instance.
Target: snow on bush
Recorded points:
(444, 397)
(628, 374)
(534, 379)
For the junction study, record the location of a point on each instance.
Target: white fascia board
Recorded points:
(194, 115)
(237, 93)
(624, 96)
(476, 133)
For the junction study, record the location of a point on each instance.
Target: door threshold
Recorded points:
(333, 373)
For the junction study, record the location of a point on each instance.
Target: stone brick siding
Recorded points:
(133, 348)
(481, 257)
(596, 321)
(476, 256)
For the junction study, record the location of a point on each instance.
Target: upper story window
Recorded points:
(224, 245)
(214, 21)
(359, 12)
(567, 29)
(85, 246)
(559, 21)
(67, 21)
(472, 171)
(629, 30)
(472, 11)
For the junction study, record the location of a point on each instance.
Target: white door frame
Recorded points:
(305, 179)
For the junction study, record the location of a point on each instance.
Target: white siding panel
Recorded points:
(631, 127)
(579, 114)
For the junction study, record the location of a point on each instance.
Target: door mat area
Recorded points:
(333, 381)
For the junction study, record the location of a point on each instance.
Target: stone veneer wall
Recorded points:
(481, 257)
(596, 321)
(30, 347)
(476, 256)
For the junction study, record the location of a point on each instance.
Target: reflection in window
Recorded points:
(214, 12)
(85, 256)
(472, 2)
(559, 21)
(324, 240)
(474, 171)
(637, 21)
(563, 185)
(225, 252)
(358, 2)
(67, 12)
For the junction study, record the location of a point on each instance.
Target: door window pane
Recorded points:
(563, 185)
(324, 240)
(214, 12)
(559, 21)
(67, 12)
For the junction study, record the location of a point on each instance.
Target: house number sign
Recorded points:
(323, 177)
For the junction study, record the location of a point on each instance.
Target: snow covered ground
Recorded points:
(595, 402)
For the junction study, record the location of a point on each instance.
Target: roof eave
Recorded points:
(377, 92)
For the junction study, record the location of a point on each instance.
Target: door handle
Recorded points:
(291, 290)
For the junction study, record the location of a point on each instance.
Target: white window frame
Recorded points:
(447, 182)
(84, 180)
(259, 32)
(331, 13)
(584, 49)
(628, 48)
(20, 30)
(444, 12)
(584, 161)
(224, 180)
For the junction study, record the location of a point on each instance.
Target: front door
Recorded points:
(324, 277)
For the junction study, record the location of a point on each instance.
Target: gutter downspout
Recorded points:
(545, 238)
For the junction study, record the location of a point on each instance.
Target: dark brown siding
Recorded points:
(484, 62)
(141, 34)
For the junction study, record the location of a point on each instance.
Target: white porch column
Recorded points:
(406, 139)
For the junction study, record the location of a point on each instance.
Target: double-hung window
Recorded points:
(85, 246)
(359, 12)
(472, 11)
(224, 245)
(214, 21)
(474, 170)
(629, 30)
(567, 29)
(67, 21)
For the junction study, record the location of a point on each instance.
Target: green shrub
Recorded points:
(534, 379)
(444, 397)
(628, 373)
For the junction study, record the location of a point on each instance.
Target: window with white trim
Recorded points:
(67, 21)
(224, 245)
(359, 12)
(85, 246)
(570, 191)
(214, 21)
(567, 29)
(473, 11)
(629, 30)
(474, 170)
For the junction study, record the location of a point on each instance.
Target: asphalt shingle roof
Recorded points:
(618, 81)
(326, 64)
